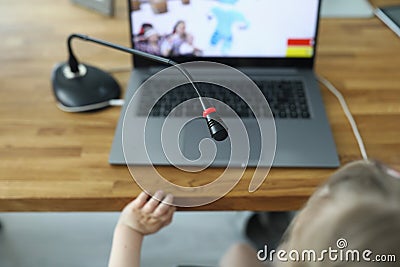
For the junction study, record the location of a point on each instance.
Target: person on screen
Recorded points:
(150, 42)
(187, 48)
(359, 205)
(179, 42)
(140, 35)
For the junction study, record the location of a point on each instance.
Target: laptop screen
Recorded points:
(240, 29)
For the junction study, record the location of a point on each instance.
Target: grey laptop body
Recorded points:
(303, 135)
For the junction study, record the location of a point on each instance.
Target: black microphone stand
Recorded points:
(71, 76)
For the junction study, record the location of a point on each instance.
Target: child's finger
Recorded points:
(139, 201)
(164, 206)
(167, 218)
(150, 206)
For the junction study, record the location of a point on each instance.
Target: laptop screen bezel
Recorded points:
(141, 62)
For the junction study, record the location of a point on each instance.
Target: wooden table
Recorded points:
(55, 161)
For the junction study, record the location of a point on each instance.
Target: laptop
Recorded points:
(272, 42)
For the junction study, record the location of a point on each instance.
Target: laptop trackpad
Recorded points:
(198, 145)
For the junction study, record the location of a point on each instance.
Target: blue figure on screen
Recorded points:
(226, 16)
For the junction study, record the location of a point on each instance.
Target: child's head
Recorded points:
(360, 205)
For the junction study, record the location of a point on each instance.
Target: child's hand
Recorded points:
(148, 216)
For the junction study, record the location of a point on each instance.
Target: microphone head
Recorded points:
(89, 89)
(217, 128)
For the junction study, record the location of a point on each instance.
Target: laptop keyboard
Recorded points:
(286, 98)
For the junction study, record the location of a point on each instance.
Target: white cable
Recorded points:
(116, 102)
(346, 110)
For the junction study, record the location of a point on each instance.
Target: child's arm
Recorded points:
(139, 218)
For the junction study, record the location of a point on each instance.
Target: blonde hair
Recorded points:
(358, 206)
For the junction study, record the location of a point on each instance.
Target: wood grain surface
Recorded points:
(56, 161)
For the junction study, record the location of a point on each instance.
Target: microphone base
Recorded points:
(87, 91)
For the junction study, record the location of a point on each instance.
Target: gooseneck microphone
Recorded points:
(80, 87)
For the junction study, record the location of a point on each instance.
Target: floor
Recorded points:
(84, 239)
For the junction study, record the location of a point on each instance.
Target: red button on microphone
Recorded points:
(208, 111)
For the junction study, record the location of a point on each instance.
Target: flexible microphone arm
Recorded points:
(218, 129)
